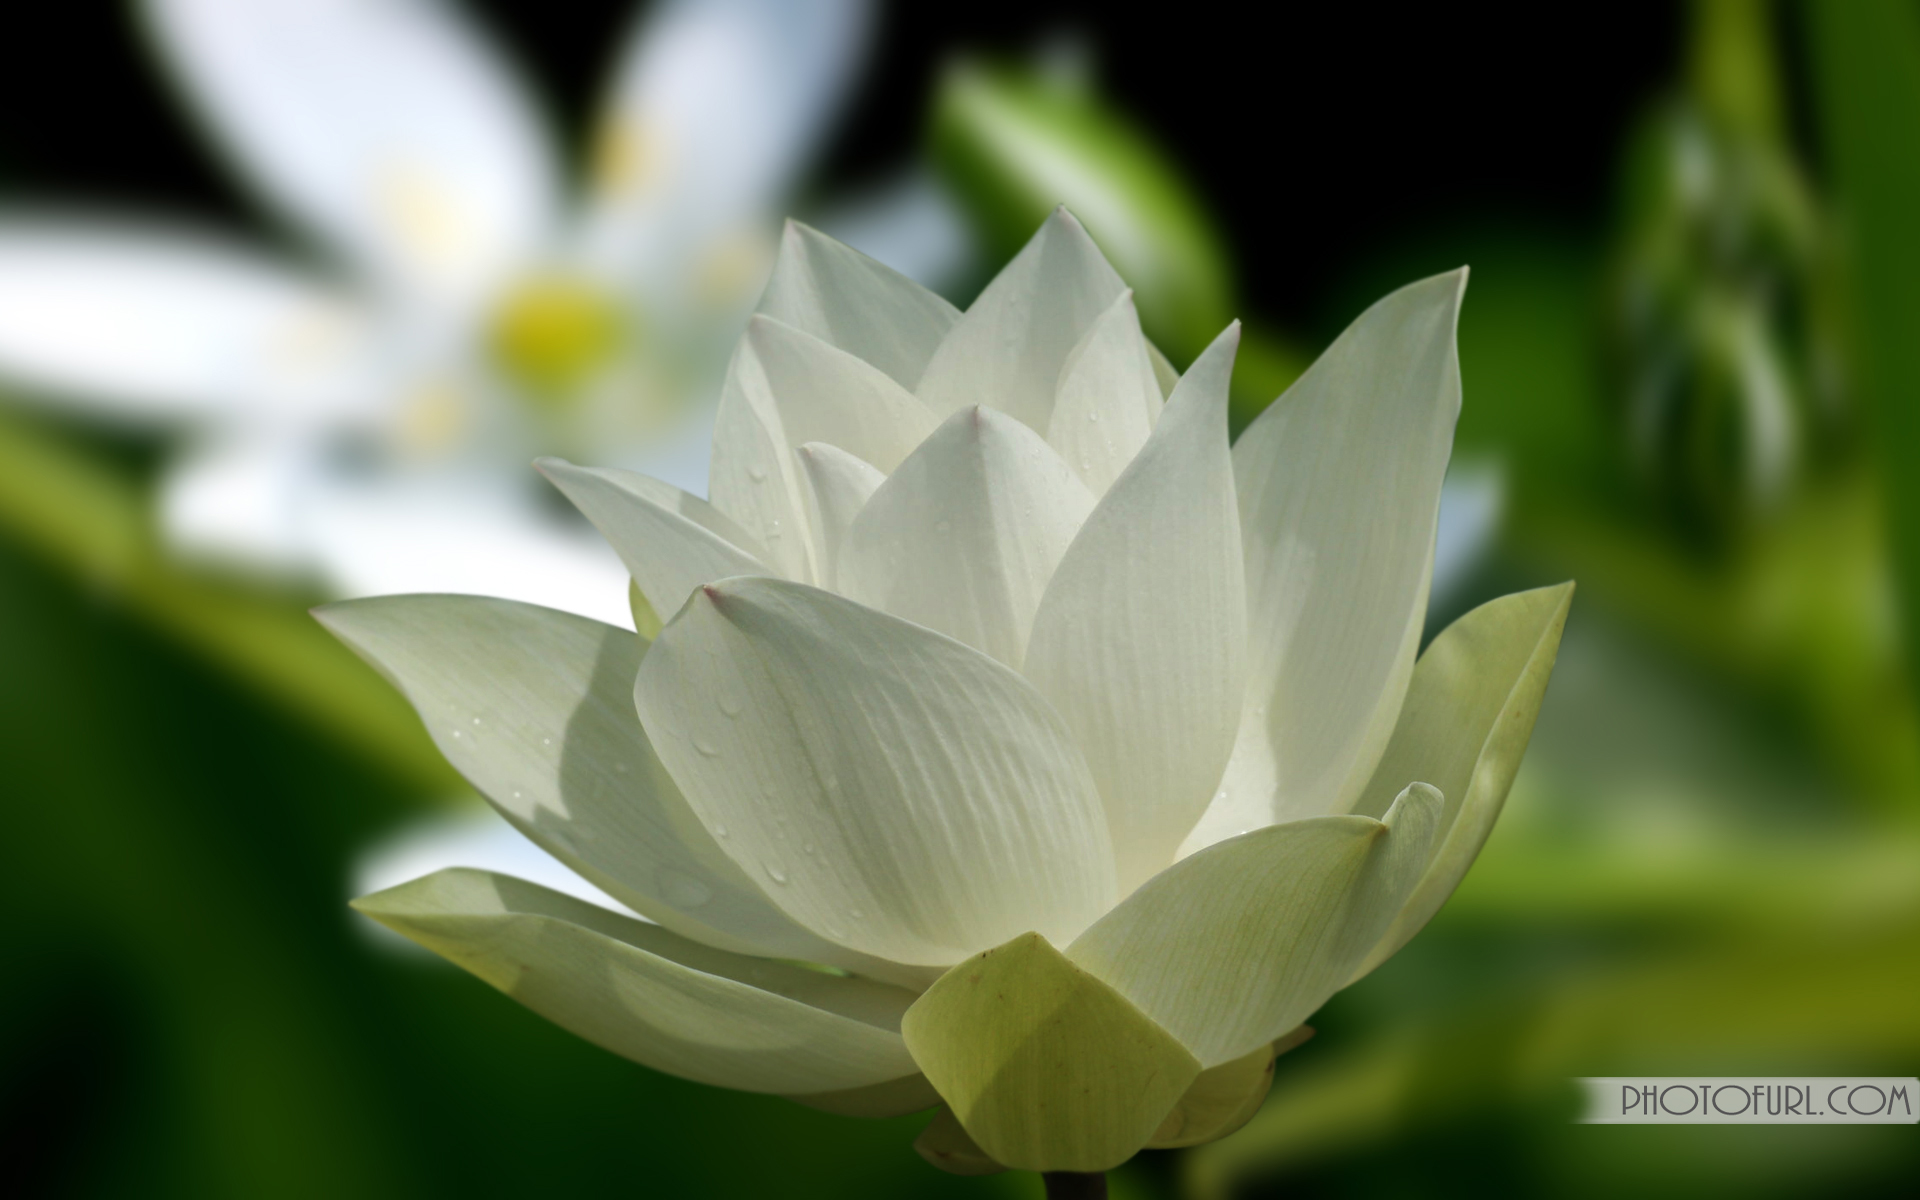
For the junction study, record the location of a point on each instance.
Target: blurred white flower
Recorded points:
(369, 418)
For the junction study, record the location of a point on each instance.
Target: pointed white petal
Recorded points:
(670, 542)
(1007, 350)
(650, 995)
(846, 299)
(965, 535)
(534, 708)
(714, 107)
(1339, 488)
(473, 534)
(388, 128)
(1140, 641)
(897, 792)
(142, 321)
(826, 395)
(1468, 716)
(1238, 944)
(755, 479)
(1108, 400)
(842, 485)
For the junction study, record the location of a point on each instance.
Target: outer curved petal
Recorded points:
(670, 542)
(1339, 489)
(1108, 400)
(1046, 1067)
(1140, 639)
(826, 395)
(142, 321)
(388, 128)
(899, 793)
(1009, 347)
(965, 535)
(848, 300)
(648, 994)
(1238, 944)
(535, 708)
(1465, 725)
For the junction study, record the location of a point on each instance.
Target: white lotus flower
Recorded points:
(1090, 754)
(371, 419)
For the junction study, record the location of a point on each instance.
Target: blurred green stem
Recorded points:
(1069, 1185)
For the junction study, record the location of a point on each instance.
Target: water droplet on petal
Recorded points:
(720, 831)
(809, 849)
(757, 474)
(1093, 414)
(775, 872)
(546, 741)
(476, 720)
(730, 706)
(706, 748)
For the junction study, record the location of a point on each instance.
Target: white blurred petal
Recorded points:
(387, 127)
(912, 224)
(714, 106)
(240, 500)
(465, 534)
(471, 835)
(142, 321)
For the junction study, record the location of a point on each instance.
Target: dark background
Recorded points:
(1317, 132)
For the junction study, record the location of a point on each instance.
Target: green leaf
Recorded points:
(1867, 74)
(1046, 1067)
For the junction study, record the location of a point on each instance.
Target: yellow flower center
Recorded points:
(554, 333)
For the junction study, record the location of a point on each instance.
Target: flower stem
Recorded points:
(1069, 1185)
